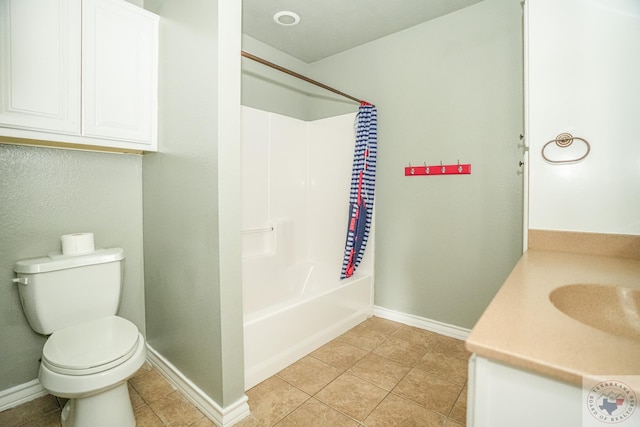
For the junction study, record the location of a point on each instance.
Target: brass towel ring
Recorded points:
(564, 140)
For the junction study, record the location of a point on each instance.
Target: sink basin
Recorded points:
(612, 309)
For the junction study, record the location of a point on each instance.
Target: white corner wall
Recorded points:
(299, 173)
(331, 146)
(583, 78)
(274, 181)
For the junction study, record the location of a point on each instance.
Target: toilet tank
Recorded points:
(57, 291)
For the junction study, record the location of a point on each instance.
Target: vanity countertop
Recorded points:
(522, 328)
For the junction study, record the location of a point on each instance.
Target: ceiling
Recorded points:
(328, 27)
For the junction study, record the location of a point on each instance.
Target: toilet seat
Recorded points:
(91, 347)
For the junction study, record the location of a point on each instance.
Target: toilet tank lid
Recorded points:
(54, 262)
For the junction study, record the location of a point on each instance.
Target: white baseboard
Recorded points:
(422, 323)
(222, 417)
(20, 394)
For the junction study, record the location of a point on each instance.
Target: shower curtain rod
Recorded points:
(300, 76)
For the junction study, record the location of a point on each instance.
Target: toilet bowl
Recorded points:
(90, 364)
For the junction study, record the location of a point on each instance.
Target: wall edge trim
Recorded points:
(422, 323)
(22, 393)
(222, 417)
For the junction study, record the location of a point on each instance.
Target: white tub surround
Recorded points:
(296, 198)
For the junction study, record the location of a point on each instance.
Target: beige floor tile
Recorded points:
(396, 411)
(387, 327)
(29, 411)
(443, 366)
(145, 417)
(458, 415)
(272, 400)
(151, 386)
(309, 374)
(175, 410)
(401, 351)
(450, 347)
(136, 400)
(429, 391)
(313, 413)
(364, 338)
(380, 371)
(452, 423)
(352, 396)
(416, 335)
(459, 411)
(339, 354)
(146, 367)
(253, 420)
(52, 419)
(205, 422)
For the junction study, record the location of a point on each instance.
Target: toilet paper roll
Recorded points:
(77, 243)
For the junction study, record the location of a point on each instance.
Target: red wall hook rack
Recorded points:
(457, 169)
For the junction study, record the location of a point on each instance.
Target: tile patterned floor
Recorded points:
(380, 373)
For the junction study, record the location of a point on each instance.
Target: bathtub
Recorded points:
(290, 311)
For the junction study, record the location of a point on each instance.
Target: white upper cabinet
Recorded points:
(119, 72)
(40, 64)
(79, 72)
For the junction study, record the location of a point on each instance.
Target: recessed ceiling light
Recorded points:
(286, 18)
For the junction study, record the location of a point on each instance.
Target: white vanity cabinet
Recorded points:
(500, 395)
(80, 72)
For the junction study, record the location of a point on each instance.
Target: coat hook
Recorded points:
(436, 170)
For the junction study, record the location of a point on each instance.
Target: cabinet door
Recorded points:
(40, 65)
(505, 396)
(119, 72)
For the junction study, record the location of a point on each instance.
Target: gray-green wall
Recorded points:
(44, 193)
(191, 201)
(447, 90)
(47, 192)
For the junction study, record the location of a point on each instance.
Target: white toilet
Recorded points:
(91, 352)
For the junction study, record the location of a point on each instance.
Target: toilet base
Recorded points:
(107, 409)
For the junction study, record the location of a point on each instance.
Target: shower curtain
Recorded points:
(363, 179)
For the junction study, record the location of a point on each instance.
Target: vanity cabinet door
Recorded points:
(500, 395)
(40, 65)
(119, 82)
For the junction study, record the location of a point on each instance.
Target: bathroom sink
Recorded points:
(612, 309)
